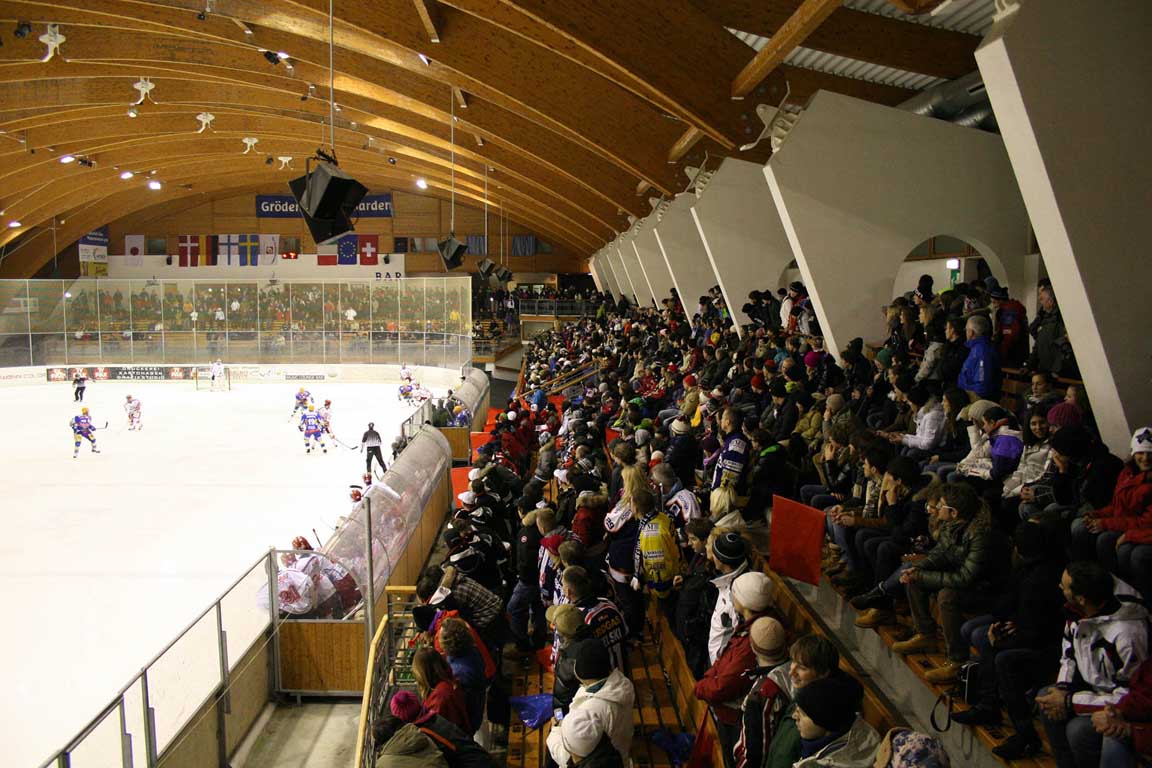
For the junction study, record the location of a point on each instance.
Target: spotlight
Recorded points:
(14, 224)
(268, 160)
(201, 16)
(126, 175)
(68, 159)
(421, 183)
(391, 161)
(427, 61)
(271, 57)
(67, 294)
(23, 29)
(132, 112)
(281, 54)
(154, 184)
(86, 162)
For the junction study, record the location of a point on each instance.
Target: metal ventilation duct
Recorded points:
(963, 101)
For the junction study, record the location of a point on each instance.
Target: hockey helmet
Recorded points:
(301, 543)
(127, 397)
(356, 492)
(327, 402)
(311, 408)
(83, 411)
(302, 390)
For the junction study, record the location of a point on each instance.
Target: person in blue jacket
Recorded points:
(980, 374)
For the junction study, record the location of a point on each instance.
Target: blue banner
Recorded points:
(285, 207)
(96, 237)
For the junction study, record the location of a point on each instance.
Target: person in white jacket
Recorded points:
(928, 415)
(1034, 460)
(605, 694)
(1101, 650)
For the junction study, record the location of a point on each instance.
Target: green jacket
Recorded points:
(961, 559)
(784, 750)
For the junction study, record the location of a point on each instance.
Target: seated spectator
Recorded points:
(811, 658)
(954, 444)
(1033, 460)
(607, 698)
(440, 690)
(831, 731)
(726, 682)
(905, 748)
(928, 415)
(1019, 642)
(1127, 726)
(1040, 396)
(729, 555)
(767, 697)
(963, 571)
(846, 523)
(697, 598)
(1130, 509)
(1081, 478)
(1103, 645)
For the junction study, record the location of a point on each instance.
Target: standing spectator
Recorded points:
(1102, 648)
(980, 375)
(726, 682)
(1009, 327)
(570, 631)
(604, 620)
(607, 698)
(733, 460)
(1052, 352)
(467, 666)
(697, 598)
(767, 699)
(440, 690)
(656, 560)
(729, 554)
(684, 454)
(525, 604)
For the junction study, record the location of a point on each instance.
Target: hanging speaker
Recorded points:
(452, 252)
(503, 274)
(486, 266)
(327, 198)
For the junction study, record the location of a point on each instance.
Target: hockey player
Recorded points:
(217, 374)
(311, 426)
(405, 373)
(325, 414)
(82, 428)
(303, 400)
(405, 391)
(132, 408)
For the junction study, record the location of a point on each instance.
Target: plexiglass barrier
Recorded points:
(473, 390)
(419, 321)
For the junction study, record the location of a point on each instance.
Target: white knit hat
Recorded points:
(1142, 440)
(754, 590)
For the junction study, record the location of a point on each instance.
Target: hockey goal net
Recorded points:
(202, 375)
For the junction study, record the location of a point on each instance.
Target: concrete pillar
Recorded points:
(683, 251)
(652, 260)
(1071, 83)
(594, 268)
(637, 287)
(609, 274)
(623, 282)
(742, 233)
(859, 185)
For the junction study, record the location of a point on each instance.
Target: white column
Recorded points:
(623, 285)
(652, 260)
(742, 233)
(683, 250)
(1071, 83)
(595, 270)
(636, 289)
(859, 185)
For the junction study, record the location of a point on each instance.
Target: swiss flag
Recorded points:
(369, 248)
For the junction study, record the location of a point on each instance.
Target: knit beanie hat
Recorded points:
(1073, 441)
(769, 639)
(831, 702)
(757, 382)
(753, 590)
(1142, 440)
(591, 660)
(779, 388)
(581, 732)
(406, 706)
(884, 357)
(1065, 415)
(730, 548)
(813, 358)
(681, 427)
(904, 748)
(835, 402)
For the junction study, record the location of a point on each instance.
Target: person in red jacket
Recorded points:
(1128, 511)
(725, 683)
(439, 689)
(1127, 726)
(1010, 327)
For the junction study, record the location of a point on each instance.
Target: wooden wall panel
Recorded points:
(322, 656)
(249, 694)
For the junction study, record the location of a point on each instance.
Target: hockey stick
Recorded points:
(341, 442)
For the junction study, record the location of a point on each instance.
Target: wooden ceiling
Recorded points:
(575, 112)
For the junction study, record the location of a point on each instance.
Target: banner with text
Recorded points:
(285, 207)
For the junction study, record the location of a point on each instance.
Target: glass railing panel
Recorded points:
(183, 678)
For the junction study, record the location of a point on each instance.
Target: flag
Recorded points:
(794, 540)
(369, 246)
(189, 250)
(134, 247)
(346, 248)
(326, 255)
(209, 250)
(229, 247)
(269, 248)
(249, 250)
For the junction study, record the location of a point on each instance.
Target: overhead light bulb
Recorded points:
(67, 294)
(952, 264)
(154, 184)
(127, 175)
(421, 183)
(14, 224)
(132, 112)
(425, 59)
(282, 54)
(68, 159)
(391, 161)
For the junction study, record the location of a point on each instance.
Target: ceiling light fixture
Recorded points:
(422, 183)
(133, 112)
(282, 54)
(154, 184)
(391, 161)
(23, 29)
(68, 159)
(126, 175)
(14, 225)
(427, 61)
(271, 57)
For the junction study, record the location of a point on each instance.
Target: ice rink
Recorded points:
(108, 556)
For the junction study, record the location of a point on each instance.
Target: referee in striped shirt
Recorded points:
(371, 441)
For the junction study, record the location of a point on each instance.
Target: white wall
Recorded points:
(1071, 83)
(683, 250)
(742, 233)
(652, 260)
(859, 185)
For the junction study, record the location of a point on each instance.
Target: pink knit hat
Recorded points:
(406, 706)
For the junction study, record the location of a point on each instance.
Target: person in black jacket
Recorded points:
(570, 630)
(1019, 642)
(787, 414)
(697, 598)
(684, 454)
(525, 604)
(955, 351)
(904, 520)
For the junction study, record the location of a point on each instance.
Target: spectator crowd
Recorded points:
(997, 529)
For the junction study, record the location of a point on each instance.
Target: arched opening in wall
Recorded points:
(947, 260)
(790, 274)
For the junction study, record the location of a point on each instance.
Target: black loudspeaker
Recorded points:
(486, 266)
(503, 274)
(452, 252)
(327, 198)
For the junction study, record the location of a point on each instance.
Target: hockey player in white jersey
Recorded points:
(132, 408)
(217, 374)
(325, 414)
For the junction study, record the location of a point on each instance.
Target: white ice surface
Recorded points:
(108, 556)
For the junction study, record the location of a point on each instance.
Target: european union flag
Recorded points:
(346, 250)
